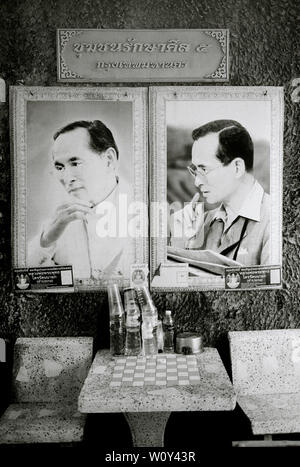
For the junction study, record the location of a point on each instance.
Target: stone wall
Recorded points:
(263, 51)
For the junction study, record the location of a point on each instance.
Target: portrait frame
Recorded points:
(32, 108)
(193, 106)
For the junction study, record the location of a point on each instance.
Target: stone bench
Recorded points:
(266, 378)
(48, 374)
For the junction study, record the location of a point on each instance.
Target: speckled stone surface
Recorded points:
(48, 374)
(50, 369)
(147, 429)
(272, 413)
(214, 392)
(266, 377)
(41, 423)
(266, 362)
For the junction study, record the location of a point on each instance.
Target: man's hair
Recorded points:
(234, 141)
(101, 138)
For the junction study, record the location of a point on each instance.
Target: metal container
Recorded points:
(189, 343)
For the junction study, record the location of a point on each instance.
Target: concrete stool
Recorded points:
(266, 378)
(48, 374)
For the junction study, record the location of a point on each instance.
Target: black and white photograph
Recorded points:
(149, 232)
(77, 180)
(219, 167)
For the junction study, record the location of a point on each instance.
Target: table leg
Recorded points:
(147, 428)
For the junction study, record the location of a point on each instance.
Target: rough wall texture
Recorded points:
(263, 51)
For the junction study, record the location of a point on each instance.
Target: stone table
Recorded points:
(147, 408)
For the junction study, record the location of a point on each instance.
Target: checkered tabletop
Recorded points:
(156, 370)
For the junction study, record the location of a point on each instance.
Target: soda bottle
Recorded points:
(148, 339)
(168, 329)
(160, 337)
(133, 329)
(149, 311)
(116, 321)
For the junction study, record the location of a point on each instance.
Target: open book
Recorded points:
(201, 259)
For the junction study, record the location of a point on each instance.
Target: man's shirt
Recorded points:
(93, 247)
(252, 244)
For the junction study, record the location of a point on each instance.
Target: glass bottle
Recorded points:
(148, 339)
(168, 330)
(149, 311)
(116, 321)
(160, 337)
(133, 328)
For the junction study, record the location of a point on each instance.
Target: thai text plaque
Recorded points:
(110, 55)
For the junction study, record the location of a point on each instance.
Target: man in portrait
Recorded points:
(222, 169)
(83, 232)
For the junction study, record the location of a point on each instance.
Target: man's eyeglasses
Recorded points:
(195, 171)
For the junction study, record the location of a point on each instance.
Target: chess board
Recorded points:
(156, 370)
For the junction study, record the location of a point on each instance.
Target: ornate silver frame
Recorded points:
(159, 96)
(96, 45)
(19, 97)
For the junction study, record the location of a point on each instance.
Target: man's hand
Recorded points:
(63, 215)
(193, 217)
(188, 225)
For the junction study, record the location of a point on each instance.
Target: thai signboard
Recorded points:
(111, 55)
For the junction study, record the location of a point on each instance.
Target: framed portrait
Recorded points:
(79, 185)
(216, 187)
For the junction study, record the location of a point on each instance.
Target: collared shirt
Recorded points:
(253, 244)
(250, 208)
(95, 247)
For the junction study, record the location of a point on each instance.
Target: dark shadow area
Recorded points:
(207, 429)
(223, 347)
(107, 431)
(197, 430)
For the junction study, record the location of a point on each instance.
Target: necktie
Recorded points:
(213, 239)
